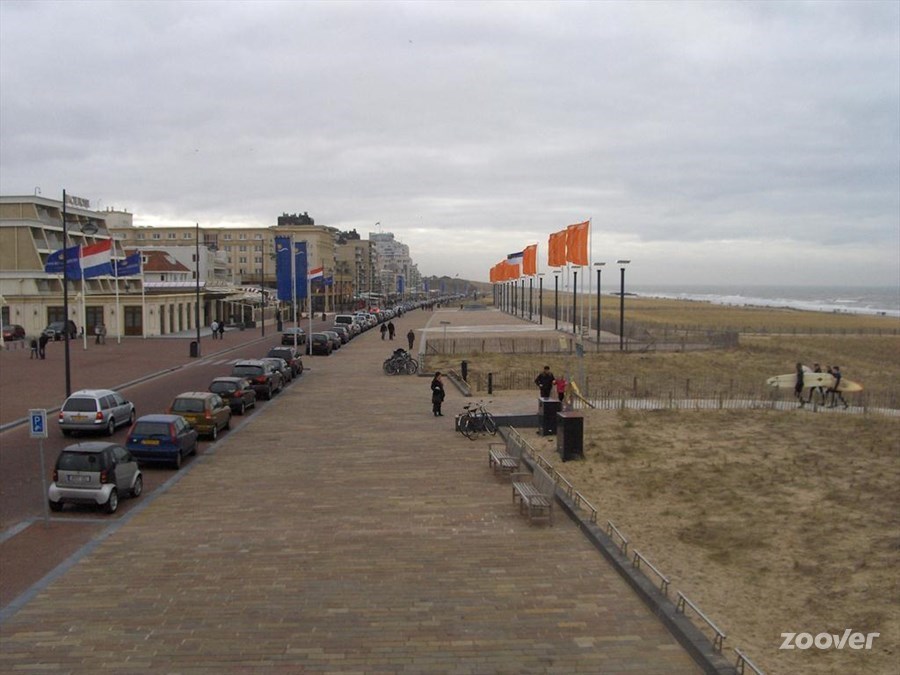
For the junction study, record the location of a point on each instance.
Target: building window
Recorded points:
(242, 247)
(172, 235)
(187, 235)
(226, 237)
(156, 235)
(140, 236)
(257, 236)
(243, 259)
(242, 235)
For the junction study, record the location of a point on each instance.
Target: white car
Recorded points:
(95, 410)
(94, 473)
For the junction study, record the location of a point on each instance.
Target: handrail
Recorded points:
(664, 580)
(742, 661)
(610, 529)
(720, 636)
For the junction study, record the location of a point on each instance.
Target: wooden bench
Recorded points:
(504, 458)
(536, 496)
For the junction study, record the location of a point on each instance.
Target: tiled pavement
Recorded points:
(343, 529)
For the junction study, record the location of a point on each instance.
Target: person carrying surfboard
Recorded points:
(798, 385)
(835, 388)
(817, 369)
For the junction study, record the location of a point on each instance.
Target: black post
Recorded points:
(574, 300)
(541, 299)
(556, 302)
(599, 271)
(622, 312)
(530, 298)
(197, 285)
(262, 291)
(65, 243)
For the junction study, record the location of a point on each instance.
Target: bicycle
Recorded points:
(475, 420)
(400, 362)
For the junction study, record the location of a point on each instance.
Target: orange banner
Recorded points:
(577, 243)
(529, 260)
(556, 249)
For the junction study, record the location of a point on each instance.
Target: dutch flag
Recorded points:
(96, 259)
(316, 273)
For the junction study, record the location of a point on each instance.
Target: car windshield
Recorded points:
(151, 429)
(280, 353)
(223, 387)
(80, 405)
(193, 405)
(80, 461)
(248, 370)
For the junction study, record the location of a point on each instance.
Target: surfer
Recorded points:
(817, 369)
(835, 389)
(798, 385)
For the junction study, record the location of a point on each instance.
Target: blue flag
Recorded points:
(400, 283)
(54, 264)
(130, 267)
(283, 269)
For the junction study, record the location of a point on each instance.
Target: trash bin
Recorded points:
(464, 370)
(195, 349)
(548, 408)
(570, 435)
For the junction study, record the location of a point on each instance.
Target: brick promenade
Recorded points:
(344, 529)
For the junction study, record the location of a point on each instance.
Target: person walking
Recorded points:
(97, 331)
(221, 330)
(42, 345)
(383, 331)
(391, 330)
(545, 381)
(411, 337)
(798, 385)
(561, 384)
(214, 327)
(437, 395)
(835, 389)
(33, 343)
(816, 369)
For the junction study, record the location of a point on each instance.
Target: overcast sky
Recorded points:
(712, 142)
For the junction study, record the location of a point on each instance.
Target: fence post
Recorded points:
(490, 386)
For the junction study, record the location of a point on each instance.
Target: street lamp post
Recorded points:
(622, 264)
(541, 298)
(197, 285)
(574, 298)
(262, 291)
(599, 266)
(556, 300)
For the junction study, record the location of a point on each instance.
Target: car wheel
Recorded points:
(228, 423)
(269, 393)
(113, 502)
(243, 408)
(131, 419)
(214, 434)
(111, 427)
(138, 487)
(55, 506)
(178, 459)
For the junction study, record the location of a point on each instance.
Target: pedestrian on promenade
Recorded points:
(561, 384)
(383, 331)
(42, 345)
(391, 330)
(821, 390)
(221, 329)
(545, 381)
(34, 348)
(214, 327)
(835, 388)
(437, 395)
(411, 337)
(798, 384)
(97, 331)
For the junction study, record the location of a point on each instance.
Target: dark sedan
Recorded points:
(264, 378)
(289, 354)
(161, 439)
(289, 335)
(13, 332)
(319, 343)
(236, 392)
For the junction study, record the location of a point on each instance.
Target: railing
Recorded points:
(742, 663)
(683, 602)
(664, 580)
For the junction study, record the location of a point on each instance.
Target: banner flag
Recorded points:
(556, 249)
(96, 259)
(514, 258)
(283, 268)
(529, 260)
(300, 266)
(400, 284)
(54, 264)
(577, 243)
(129, 267)
(316, 273)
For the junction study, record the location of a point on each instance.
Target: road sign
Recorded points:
(38, 423)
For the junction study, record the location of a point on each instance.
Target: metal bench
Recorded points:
(536, 496)
(504, 458)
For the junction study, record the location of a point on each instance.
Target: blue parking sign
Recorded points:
(38, 423)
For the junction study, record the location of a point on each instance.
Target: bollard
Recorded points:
(490, 383)
(464, 369)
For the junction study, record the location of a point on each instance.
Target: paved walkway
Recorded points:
(343, 529)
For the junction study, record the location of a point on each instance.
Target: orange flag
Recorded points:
(529, 260)
(577, 243)
(556, 249)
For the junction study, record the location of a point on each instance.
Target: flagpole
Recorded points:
(118, 316)
(294, 287)
(590, 266)
(83, 311)
(143, 297)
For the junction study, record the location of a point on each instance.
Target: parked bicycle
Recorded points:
(400, 362)
(476, 420)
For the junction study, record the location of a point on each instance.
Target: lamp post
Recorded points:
(556, 300)
(622, 264)
(530, 298)
(541, 298)
(197, 285)
(599, 266)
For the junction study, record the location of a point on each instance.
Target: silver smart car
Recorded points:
(94, 473)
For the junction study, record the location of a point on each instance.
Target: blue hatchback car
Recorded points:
(165, 439)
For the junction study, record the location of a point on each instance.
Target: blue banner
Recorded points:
(54, 264)
(283, 268)
(129, 267)
(400, 284)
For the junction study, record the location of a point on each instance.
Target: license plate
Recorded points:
(76, 478)
(150, 441)
(79, 418)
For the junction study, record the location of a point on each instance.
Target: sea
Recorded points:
(875, 300)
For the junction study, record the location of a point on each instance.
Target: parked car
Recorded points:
(207, 412)
(13, 332)
(236, 391)
(94, 473)
(263, 377)
(349, 322)
(319, 343)
(287, 336)
(95, 410)
(343, 332)
(164, 439)
(290, 355)
(336, 341)
(282, 366)
(57, 330)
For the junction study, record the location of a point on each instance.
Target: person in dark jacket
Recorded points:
(411, 337)
(42, 345)
(437, 395)
(798, 385)
(545, 382)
